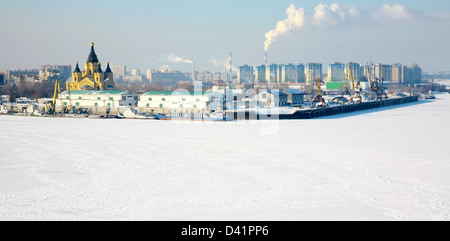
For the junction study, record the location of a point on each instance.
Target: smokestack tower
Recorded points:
(193, 72)
(265, 58)
(231, 70)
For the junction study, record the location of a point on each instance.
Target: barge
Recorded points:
(323, 111)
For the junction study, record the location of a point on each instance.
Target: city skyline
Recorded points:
(142, 34)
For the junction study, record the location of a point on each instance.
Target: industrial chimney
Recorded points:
(265, 58)
(193, 72)
(231, 70)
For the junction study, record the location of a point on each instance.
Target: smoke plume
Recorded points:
(337, 16)
(173, 58)
(222, 63)
(295, 19)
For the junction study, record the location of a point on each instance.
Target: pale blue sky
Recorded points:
(138, 33)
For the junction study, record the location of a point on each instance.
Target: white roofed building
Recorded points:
(89, 98)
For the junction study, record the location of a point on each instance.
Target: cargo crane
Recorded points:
(356, 87)
(318, 100)
(51, 107)
(377, 86)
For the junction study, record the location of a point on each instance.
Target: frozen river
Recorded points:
(382, 164)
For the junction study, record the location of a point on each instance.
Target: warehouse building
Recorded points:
(102, 98)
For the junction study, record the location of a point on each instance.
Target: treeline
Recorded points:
(30, 90)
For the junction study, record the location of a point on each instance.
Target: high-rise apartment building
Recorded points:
(272, 73)
(336, 72)
(119, 70)
(64, 71)
(245, 75)
(135, 72)
(289, 73)
(384, 72)
(397, 72)
(301, 73)
(313, 72)
(411, 75)
(260, 74)
(280, 73)
(357, 71)
(2, 79)
(416, 73)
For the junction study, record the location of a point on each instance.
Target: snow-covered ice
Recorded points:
(381, 164)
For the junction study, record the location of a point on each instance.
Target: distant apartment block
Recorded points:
(289, 73)
(272, 74)
(411, 75)
(384, 72)
(260, 74)
(395, 73)
(397, 70)
(19, 79)
(148, 73)
(357, 69)
(167, 79)
(51, 72)
(301, 73)
(313, 71)
(336, 72)
(135, 72)
(219, 77)
(47, 73)
(245, 75)
(2, 79)
(119, 70)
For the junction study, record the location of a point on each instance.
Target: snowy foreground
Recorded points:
(382, 164)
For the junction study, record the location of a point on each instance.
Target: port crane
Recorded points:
(356, 87)
(51, 107)
(318, 100)
(375, 84)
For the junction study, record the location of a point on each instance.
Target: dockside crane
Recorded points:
(375, 84)
(318, 100)
(378, 87)
(356, 87)
(51, 107)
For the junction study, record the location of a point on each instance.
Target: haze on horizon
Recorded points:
(141, 34)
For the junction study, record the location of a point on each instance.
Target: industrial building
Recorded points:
(294, 97)
(176, 100)
(272, 98)
(102, 98)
